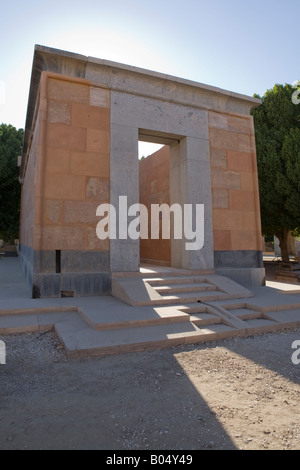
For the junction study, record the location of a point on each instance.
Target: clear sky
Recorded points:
(244, 46)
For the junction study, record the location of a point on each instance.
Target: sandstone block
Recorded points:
(218, 158)
(90, 116)
(99, 97)
(226, 219)
(97, 141)
(59, 111)
(64, 136)
(222, 239)
(93, 242)
(241, 200)
(52, 211)
(242, 240)
(224, 139)
(61, 186)
(245, 143)
(250, 221)
(97, 189)
(225, 179)
(220, 198)
(80, 212)
(68, 91)
(247, 180)
(217, 120)
(62, 238)
(239, 124)
(239, 161)
(57, 160)
(90, 164)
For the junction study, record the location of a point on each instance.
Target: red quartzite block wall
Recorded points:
(235, 196)
(67, 175)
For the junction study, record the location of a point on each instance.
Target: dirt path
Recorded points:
(241, 393)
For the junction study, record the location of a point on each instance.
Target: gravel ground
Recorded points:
(241, 393)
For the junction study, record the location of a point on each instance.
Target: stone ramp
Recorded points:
(166, 289)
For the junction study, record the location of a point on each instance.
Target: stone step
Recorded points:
(262, 325)
(200, 296)
(81, 340)
(163, 272)
(290, 317)
(125, 316)
(246, 313)
(205, 319)
(188, 287)
(202, 315)
(175, 280)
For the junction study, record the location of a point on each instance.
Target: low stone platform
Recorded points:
(89, 326)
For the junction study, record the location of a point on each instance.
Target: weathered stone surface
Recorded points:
(59, 111)
(53, 210)
(147, 113)
(220, 198)
(80, 212)
(97, 189)
(99, 97)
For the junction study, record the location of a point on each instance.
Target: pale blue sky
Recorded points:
(242, 46)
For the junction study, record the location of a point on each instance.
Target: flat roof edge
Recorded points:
(142, 71)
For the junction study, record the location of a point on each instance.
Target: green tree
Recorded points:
(11, 141)
(277, 134)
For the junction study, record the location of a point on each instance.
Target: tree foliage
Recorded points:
(11, 141)
(277, 133)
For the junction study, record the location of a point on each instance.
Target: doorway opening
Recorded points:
(154, 188)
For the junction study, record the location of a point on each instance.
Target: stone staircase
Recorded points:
(161, 312)
(171, 326)
(175, 289)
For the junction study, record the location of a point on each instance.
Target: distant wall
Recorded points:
(154, 187)
(28, 206)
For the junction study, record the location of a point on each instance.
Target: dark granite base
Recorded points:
(52, 273)
(238, 259)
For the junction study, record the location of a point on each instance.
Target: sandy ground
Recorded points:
(241, 393)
